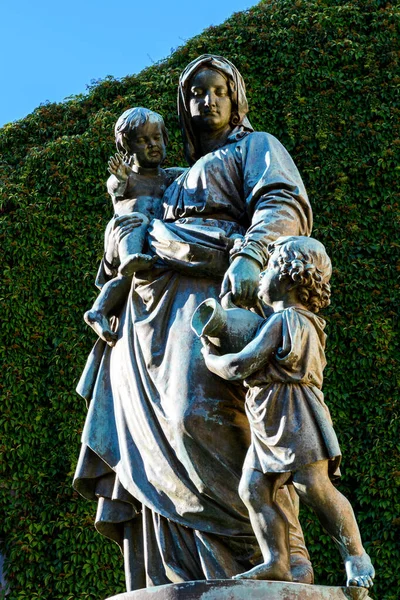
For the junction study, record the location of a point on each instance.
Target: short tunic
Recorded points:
(290, 423)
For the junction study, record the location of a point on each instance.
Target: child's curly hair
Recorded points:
(306, 262)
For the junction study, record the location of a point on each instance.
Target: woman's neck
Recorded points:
(211, 140)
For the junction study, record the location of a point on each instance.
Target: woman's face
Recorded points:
(209, 101)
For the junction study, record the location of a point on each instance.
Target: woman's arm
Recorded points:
(277, 204)
(253, 356)
(276, 198)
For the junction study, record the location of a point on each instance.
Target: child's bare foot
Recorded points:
(98, 322)
(136, 262)
(302, 571)
(360, 571)
(274, 571)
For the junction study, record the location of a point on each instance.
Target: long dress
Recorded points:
(163, 435)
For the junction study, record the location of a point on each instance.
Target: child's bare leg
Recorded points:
(300, 564)
(136, 262)
(130, 249)
(258, 492)
(112, 295)
(336, 515)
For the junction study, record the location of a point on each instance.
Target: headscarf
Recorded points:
(239, 122)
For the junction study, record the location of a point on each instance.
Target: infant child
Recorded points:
(136, 186)
(292, 437)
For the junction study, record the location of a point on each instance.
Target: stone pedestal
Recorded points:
(244, 590)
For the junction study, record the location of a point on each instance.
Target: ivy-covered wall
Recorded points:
(323, 76)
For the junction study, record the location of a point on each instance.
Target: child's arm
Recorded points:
(253, 356)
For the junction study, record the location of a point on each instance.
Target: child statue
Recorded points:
(292, 437)
(136, 186)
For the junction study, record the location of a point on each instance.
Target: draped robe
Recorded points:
(165, 439)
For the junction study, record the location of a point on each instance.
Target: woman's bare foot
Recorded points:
(97, 321)
(360, 571)
(273, 571)
(134, 263)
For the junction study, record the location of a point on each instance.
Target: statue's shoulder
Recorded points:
(173, 173)
(261, 142)
(260, 138)
(254, 142)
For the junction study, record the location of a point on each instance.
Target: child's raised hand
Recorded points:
(220, 365)
(119, 168)
(208, 347)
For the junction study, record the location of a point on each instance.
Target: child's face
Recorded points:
(271, 287)
(147, 145)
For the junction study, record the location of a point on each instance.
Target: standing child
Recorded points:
(291, 428)
(136, 186)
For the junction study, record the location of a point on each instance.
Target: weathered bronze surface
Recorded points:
(292, 436)
(165, 438)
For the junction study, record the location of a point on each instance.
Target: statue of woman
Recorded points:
(164, 440)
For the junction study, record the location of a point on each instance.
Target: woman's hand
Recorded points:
(122, 227)
(242, 279)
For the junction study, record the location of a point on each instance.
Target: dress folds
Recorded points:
(164, 436)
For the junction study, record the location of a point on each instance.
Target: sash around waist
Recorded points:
(195, 245)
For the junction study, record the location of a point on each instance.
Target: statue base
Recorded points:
(226, 589)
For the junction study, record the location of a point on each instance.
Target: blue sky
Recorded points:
(50, 49)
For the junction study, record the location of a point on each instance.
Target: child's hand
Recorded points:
(119, 168)
(210, 359)
(208, 347)
(209, 351)
(220, 365)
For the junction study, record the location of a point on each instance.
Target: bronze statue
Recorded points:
(165, 440)
(292, 432)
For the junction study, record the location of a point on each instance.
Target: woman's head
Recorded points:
(303, 265)
(219, 77)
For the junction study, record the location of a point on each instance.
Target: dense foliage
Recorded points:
(323, 76)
